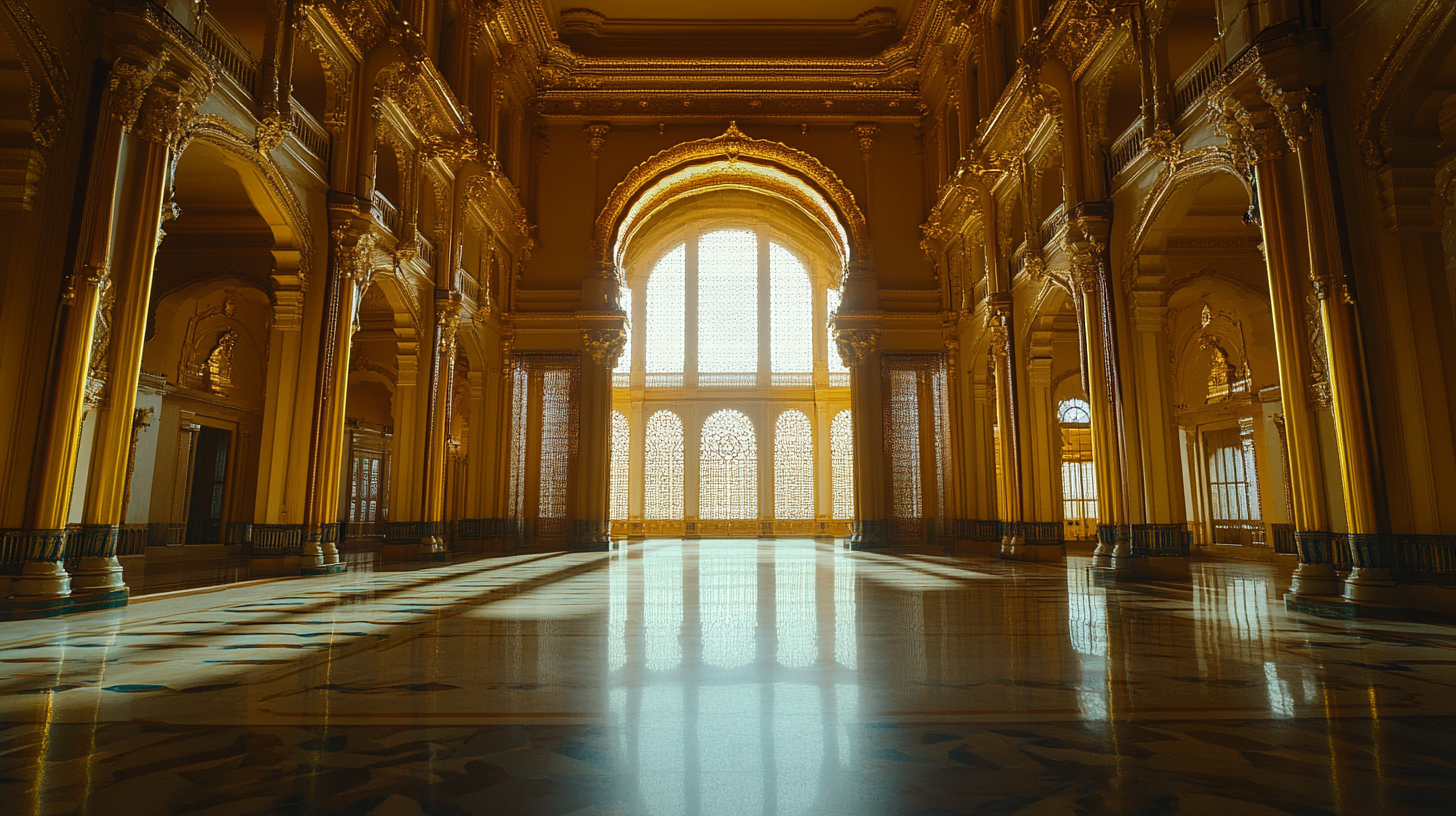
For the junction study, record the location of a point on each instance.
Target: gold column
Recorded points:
(1256, 134)
(1008, 491)
(349, 277)
(1302, 118)
(437, 424)
(603, 344)
(1106, 455)
(859, 348)
(151, 119)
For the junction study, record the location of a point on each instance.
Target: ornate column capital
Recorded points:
(856, 345)
(604, 345)
(1295, 109)
(1254, 134)
(154, 96)
(866, 132)
(596, 138)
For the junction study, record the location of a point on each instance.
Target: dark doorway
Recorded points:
(209, 483)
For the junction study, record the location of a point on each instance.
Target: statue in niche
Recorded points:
(1221, 372)
(219, 366)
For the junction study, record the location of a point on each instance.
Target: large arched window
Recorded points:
(666, 307)
(728, 308)
(621, 467)
(663, 493)
(841, 456)
(728, 483)
(793, 467)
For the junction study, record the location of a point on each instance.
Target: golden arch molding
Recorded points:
(732, 160)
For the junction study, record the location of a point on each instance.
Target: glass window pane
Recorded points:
(663, 467)
(621, 464)
(793, 467)
(841, 456)
(728, 484)
(728, 302)
(791, 304)
(665, 309)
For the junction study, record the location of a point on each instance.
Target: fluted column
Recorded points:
(1009, 491)
(437, 424)
(151, 103)
(1256, 135)
(1302, 118)
(349, 275)
(859, 348)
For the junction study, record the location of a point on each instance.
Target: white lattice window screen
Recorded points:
(1230, 472)
(663, 467)
(728, 302)
(728, 484)
(624, 363)
(836, 363)
(904, 433)
(793, 467)
(841, 460)
(621, 464)
(791, 307)
(666, 305)
(364, 490)
(555, 443)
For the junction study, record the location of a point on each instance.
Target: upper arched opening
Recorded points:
(732, 161)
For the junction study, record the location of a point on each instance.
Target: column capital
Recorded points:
(1252, 128)
(856, 345)
(866, 132)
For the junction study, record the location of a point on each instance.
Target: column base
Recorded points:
(868, 535)
(323, 569)
(98, 569)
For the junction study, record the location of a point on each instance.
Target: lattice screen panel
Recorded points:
(841, 460)
(545, 422)
(728, 302)
(728, 468)
(666, 309)
(621, 464)
(910, 382)
(793, 467)
(791, 309)
(663, 467)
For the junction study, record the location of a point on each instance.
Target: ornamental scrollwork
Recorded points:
(856, 345)
(605, 346)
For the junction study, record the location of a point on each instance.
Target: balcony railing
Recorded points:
(234, 57)
(1018, 261)
(311, 134)
(468, 287)
(384, 212)
(426, 249)
(1127, 147)
(1196, 80)
(1054, 224)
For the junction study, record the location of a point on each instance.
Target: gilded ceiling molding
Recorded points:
(1423, 29)
(741, 154)
(1187, 168)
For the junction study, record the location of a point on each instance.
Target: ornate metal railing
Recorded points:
(426, 249)
(1126, 147)
(277, 539)
(467, 285)
(1160, 540)
(1196, 80)
(234, 57)
(1053, 225)
(311, 134)
(384, 212)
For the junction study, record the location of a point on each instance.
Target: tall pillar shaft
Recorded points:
(1009, 491)
(437, 425)
(858, 347)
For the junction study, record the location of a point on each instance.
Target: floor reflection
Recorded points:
(728, 677)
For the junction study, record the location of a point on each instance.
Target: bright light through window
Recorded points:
(729, 464)
(665, 309)
(841, 456)
(624, 363)
(663, 491)
(791, 304)
(793, 467)
(621, 448)
(728, 302)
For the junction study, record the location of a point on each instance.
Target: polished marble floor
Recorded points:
(728, 677)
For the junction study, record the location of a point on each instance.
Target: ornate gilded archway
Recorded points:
(730, 161)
